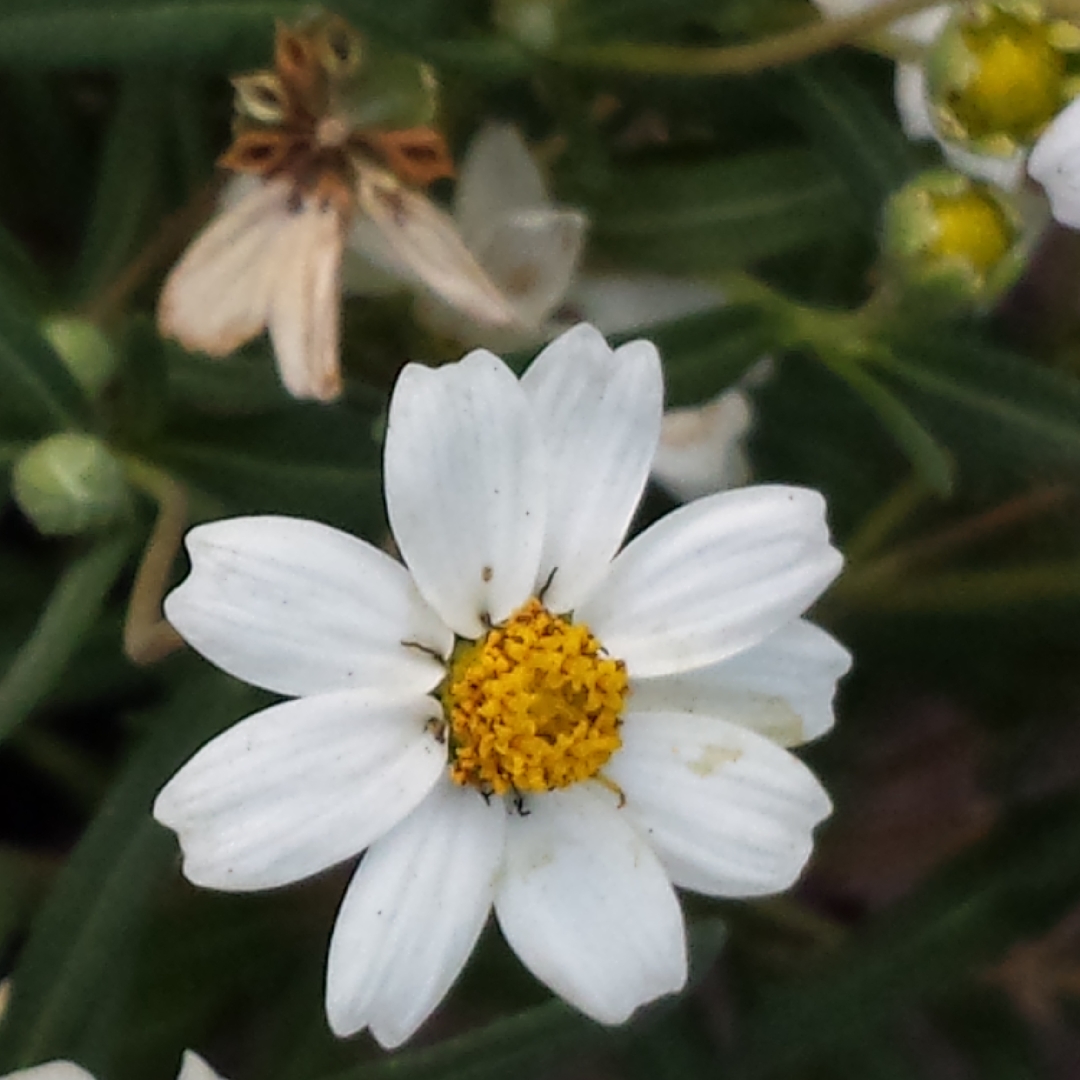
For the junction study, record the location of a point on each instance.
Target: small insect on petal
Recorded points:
(303, 321)
(218, 295)
(417, 238)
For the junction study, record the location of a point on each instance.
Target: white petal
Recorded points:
(1055, 163)
(304, 312)
(712, 578)
(587, 906)
(782, 689)
(405, 233)
(498, 177)
(299, 787)
(730, 813)
(1006, 172)
(51, 1070)
(531, 256)
(300, 608)
(413, 913)
(192, 1067)
(219, 294)
(912, 102)
(701, 447)
(619, 303)
(599, 417)
(465, 488)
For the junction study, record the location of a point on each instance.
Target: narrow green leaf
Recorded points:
(127, 196)
(850, 129)
(930, 461)
(311, 461)
(989, 405)
(705, 354)
(719, 214)
(1015, 884)
(40, 395)
(92, 916)
(71, 612)
(214, 33)
(218, 35)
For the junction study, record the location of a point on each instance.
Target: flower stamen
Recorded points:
(533, 706)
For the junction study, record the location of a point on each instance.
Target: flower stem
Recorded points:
(71, 611)
(883, 521)
(775, 51)
(148, 636)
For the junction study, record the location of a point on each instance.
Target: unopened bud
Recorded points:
(955, 236)
(86, 351)
(70, 484)
(532, 23)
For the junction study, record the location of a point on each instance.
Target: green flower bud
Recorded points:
(86, 351)
(999, 72)
(532, 23)
(69, 484)
(954, 236)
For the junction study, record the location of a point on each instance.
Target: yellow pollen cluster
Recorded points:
(1016, 83)
(533, 706)
(973, 227)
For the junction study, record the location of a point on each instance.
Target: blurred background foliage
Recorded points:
(937, 932)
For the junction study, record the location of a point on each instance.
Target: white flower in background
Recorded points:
(1055, 163)
(993, 78)
(524, 243)
(523, 716)
(192, 1067)
(920, 28)
(319, 174)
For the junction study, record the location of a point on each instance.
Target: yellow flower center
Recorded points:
(1016, 85)
(971, 226)
(533, 706)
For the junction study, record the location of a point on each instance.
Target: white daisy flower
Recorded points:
(522, 716)
(1055, 163)
(192, 1067)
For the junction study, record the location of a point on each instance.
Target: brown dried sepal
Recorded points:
(416, 156)
(261, 153)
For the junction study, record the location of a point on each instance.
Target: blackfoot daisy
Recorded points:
(521, 716)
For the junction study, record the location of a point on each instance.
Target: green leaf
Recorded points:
(524, 1045)
(40, 395)
(214, 33)
(219, 35)
(69, 615)
(1015, 884)
(127, 196)
(847, 126)
(989, 406)
(705, 354)
(92, 916)
(314, 461)
(717, 215)
(928, 459)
